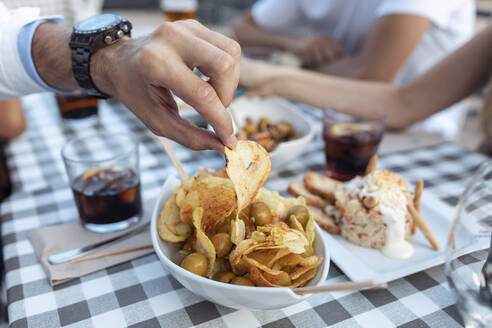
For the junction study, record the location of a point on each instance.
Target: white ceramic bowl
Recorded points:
(277, 109)
(238, 297)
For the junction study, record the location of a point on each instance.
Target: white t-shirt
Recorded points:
(348, 22)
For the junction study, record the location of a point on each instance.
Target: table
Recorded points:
(141, 293)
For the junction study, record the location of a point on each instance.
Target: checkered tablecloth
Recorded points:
(141, 293)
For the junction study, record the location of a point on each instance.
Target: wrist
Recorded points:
(53, 67)
(103, 65)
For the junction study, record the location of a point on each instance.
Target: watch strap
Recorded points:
(81, 71)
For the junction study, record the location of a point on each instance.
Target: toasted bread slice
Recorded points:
(322, 186)
(296, 189)
(323, 220)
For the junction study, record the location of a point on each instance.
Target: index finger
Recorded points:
(202, 96)
(225, 80)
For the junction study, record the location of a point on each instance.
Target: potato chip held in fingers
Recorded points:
(248, 167)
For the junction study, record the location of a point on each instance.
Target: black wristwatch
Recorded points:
(90, 35)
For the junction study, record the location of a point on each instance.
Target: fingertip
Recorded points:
(231, 141)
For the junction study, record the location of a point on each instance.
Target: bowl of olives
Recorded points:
(226, 288)
(283, 130)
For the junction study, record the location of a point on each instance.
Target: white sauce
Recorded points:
(395, 245)
(392, 204)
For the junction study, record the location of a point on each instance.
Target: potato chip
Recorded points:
(290, 260)
(167, 222)
(269, 255)
(295, 241)
(295, 224)
(278, 205)
(238, 231)
(238, 265)
(257, 277)
(203, 244)
(262, 267)
(300, 270)
(310, 261)
(180, 196)
(248, 167)
(282, 279)
(304, 279)
(309, 230)
(217, 202)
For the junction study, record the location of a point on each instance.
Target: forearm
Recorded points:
(249, 34)
(53, 60)
(51, 56)
(358, 98)
(349, 67)
(452, 79)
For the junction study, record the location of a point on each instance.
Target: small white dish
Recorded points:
(360, 263)
(233, 296)
(277, 109)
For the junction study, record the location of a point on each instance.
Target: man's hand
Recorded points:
(142, 72)
(316, 51)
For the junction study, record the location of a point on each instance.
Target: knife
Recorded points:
(67, 256)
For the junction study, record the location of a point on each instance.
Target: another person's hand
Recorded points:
(141, 73)
(259, 78)
(317, 51)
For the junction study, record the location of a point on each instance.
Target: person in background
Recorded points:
(455, 77)
(12, 124)
(35, 56)
(12, 120)
(382, 40)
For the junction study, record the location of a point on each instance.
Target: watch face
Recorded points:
(97, 23)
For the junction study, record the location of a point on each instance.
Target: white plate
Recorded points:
(360, 263)
(238, 297)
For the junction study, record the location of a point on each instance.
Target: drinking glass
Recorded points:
(103, 172)
(78, 108)
(470, 277)
(350, 143)
(174, 10)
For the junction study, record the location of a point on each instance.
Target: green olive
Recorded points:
(180, 255)
(183, 229)
(285, 129)
(224, 277)
(222, 243)
(301, 213)
(224, 228)
(261, 212)
(243, 281)
(263, 123)
(258, 236)
(196, 263)
(250, 128)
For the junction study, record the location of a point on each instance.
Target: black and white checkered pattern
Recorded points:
(141, 293)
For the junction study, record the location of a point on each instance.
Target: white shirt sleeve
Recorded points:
(278, 15)
(438, 12)
(15, 79)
